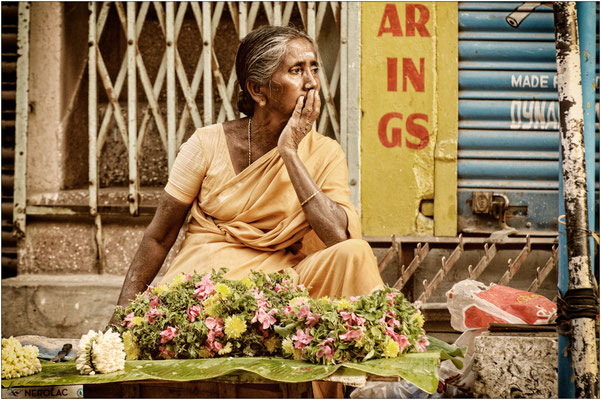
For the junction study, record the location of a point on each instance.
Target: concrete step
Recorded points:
(58, 305)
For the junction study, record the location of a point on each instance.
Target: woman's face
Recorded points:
(294, 77)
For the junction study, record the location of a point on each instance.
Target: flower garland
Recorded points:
(18, 360)
(201, 316)
(100, 352)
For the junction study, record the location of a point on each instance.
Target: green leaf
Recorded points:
(447, 351)
(417, 368)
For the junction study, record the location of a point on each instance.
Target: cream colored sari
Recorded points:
(250, 221)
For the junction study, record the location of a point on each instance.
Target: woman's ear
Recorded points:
(257, 92)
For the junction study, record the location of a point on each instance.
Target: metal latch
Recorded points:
(493, 204)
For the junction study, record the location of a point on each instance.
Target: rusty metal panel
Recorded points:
(508, 115)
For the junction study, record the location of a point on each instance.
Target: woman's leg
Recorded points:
(348, 268)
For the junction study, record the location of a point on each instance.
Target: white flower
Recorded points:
(17, 360)
(100, 352)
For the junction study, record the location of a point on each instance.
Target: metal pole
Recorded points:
(587, 13)
(584, 347)
(22, 115)
(171, 99)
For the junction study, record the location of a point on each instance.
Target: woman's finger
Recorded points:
(298, 107)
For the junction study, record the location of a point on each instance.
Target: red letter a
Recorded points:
(391, 15)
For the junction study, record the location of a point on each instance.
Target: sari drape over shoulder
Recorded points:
(251, 221)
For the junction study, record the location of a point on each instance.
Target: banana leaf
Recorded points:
(447, 351)
(421, 369)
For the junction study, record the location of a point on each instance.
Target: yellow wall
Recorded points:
(403, 45)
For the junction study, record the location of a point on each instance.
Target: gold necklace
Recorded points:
(249, 129)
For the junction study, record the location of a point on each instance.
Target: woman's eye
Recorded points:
(315, 69)
(295, 70)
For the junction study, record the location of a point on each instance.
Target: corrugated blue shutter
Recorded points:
(508, 115)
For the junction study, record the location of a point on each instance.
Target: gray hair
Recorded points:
(259, 54)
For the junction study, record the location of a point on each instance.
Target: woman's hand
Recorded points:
(300, 122)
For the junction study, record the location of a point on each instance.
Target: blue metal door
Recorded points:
(508, 119)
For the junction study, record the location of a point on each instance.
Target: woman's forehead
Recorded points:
(299, 50)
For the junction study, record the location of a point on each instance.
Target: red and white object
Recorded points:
(473, 305)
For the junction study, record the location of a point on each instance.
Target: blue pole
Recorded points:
(566, 388)
(587, 33)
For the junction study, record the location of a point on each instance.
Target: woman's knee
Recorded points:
(352, 246)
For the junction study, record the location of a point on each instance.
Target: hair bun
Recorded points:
(245, 103)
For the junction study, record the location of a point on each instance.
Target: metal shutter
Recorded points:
(508, 115)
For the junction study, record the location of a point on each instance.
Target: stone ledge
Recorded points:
(108, 196)
(515, 366)
(58, 305)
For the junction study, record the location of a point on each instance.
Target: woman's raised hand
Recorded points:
(300, 121)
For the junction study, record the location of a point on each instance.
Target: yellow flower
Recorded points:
(210, 306)
(225, 350)
(391, 349)
(271, 344)
(132, 351)
(419, 318)
(161, 289)
(179, 279)
(137, 320)
(343, 304)
(234, 327)
(288, 346)
(325, 300)
(223, 290)
(246, 282)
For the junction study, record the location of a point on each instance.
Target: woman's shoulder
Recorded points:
(206, 136)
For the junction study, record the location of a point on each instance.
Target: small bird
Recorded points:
(63, 353)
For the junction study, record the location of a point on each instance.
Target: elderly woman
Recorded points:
(265, 192)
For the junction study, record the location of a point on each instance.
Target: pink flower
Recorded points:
(193, 312)
(204, 288)
(287, 311)
(390, 297)
(313, 319)
(354, 298)
(261, 302)
(187, 277)
(264, 318)
(352, 318)
(301, 288)
(168, 334)
(154, 303)
(351, 334)
(152, 314)
(214, 324)
(325, 349)
(127, 320)
(286, 281)
(302, 339)
(163, 352)
(422, 342)
(304, 311)
(279, 288)
(400, 339)
(393, 322)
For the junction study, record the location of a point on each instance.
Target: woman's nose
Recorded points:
(311, 82)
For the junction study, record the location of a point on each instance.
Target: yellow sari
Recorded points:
(250, 221)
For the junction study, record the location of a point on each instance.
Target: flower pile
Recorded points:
(201, 316)
(18, 360)
(100, 352)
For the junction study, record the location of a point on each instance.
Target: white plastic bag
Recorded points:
(474, 305)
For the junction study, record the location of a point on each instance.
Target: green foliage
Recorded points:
(205, 316)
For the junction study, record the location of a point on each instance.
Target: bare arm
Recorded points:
(156, 243)
(328, 219)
